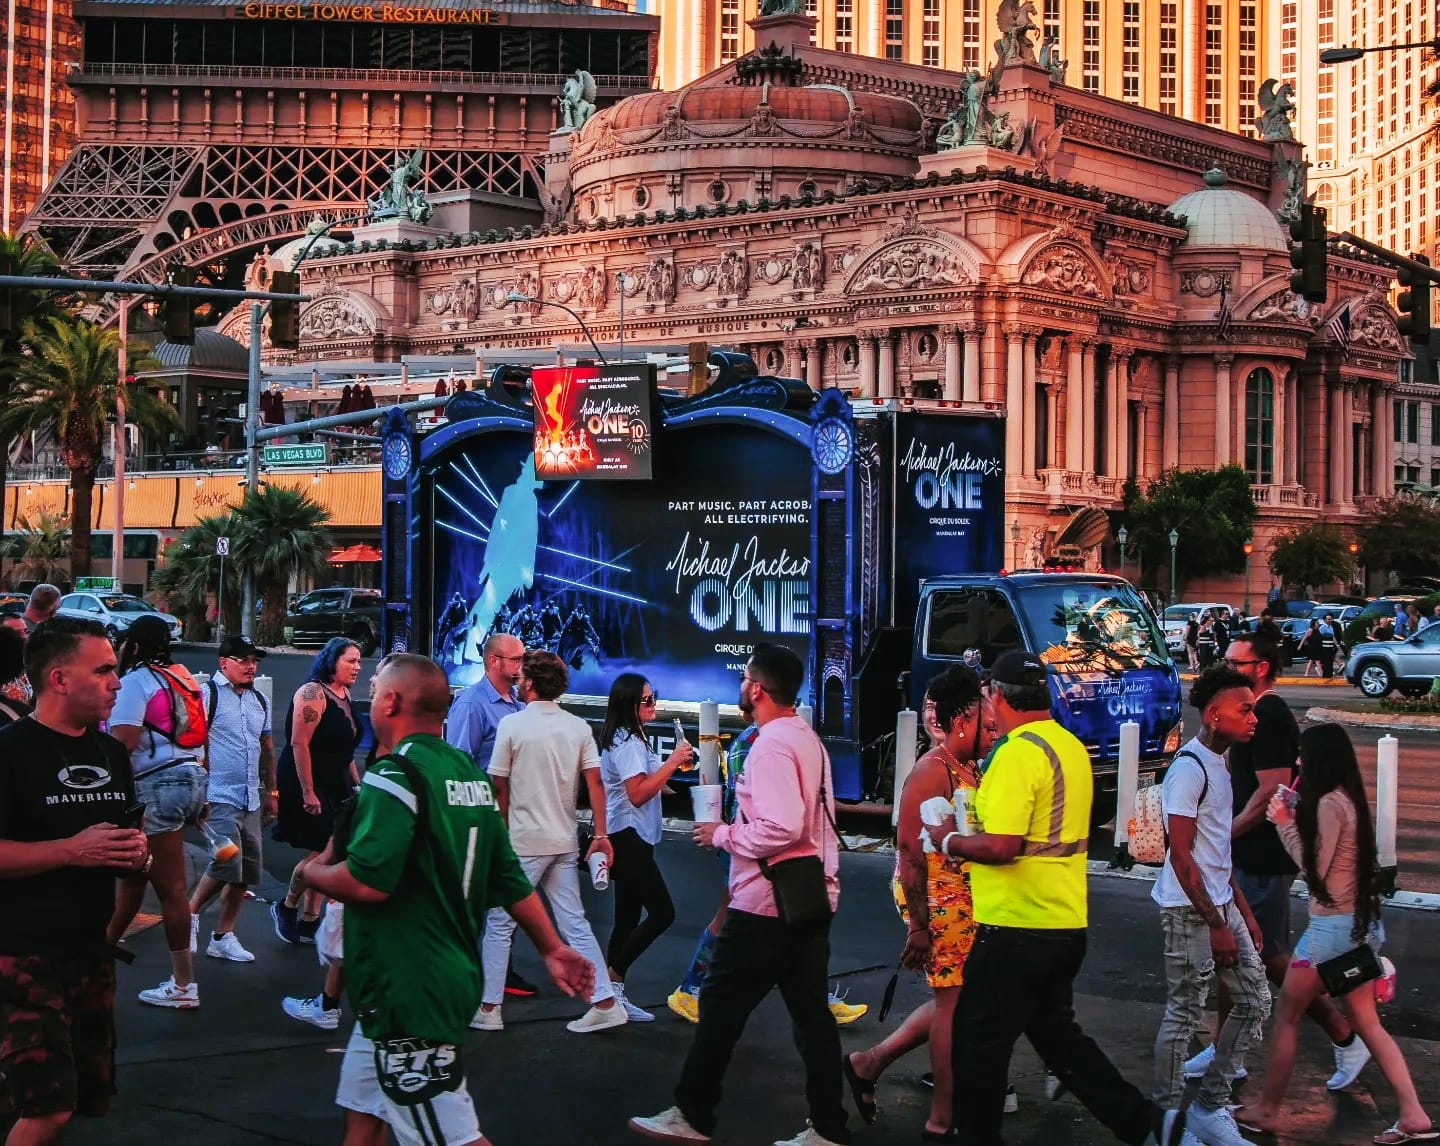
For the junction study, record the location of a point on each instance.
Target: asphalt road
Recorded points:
(239, 1073)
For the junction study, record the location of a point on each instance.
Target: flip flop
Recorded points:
(1394, 1136)
(951, 1135)
(862, 1090)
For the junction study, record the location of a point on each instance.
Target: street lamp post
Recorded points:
(1174, 541)
(516, 296)
(1354, 564)
(1015, 544)
(1346, 54)
(1120, 537)
(122, 366)
(1249, 548)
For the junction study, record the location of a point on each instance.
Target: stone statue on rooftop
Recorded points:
(1050, 59)
(400, 199)
(1016, 21)
(1293, 172)
(781, 7)
(577, 100)
(1276, 101)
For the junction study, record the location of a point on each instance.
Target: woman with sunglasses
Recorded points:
(634, 777)
(1329, 833)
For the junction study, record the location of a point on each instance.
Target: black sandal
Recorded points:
(951, 1135)
(862, 1090)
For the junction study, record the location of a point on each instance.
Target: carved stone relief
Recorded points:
(1374, 328)
(908, 266)
(1064, 269)
(1285, 306)
(334, 318)
(808, 271)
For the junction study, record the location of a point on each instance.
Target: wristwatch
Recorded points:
(148, 864)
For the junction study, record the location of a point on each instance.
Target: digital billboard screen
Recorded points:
(675, 579)
(594, 421)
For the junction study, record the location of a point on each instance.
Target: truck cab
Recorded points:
(1102, 646)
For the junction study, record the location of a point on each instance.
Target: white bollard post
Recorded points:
(906, 728)
(709, 742)
(1387, 796)
(266, 687)
(807, 714)
(1127, 780)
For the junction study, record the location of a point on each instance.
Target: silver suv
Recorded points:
(1411, 665)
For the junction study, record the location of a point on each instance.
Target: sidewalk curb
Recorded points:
(1384, 721)
(1300, 681)
(1410, 900)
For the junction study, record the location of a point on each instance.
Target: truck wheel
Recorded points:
(1374, 679)
(1102, 809)
(363, 637)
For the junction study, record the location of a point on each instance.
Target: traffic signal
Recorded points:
(8, 324)
(179, 309)
(285, 316)
(1413, 304)
(1307, 254)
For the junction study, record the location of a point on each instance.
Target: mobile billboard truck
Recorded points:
(631, 528)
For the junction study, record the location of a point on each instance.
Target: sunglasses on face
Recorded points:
(650, 698)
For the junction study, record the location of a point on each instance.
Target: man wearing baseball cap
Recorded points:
(241, 790)
(1027, 880)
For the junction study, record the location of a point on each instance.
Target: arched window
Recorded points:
(1260, 426)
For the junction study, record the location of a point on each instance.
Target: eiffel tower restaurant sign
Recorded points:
(368, 13)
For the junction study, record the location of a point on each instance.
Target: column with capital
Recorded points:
(1292, 428)
(1379, 435)
(970, 376)
(1029, 403)
(794, 367)
(1087, 444)
(1223, 398)
(1170, 416)
(867, 364)
(1074, 408)
(1014, 403)
(1052, 425)
(886, 381)
(951, 341)
(1279, 427)
(1111, 429)
(1120, 423)
(814, 359)
(1347, 444)
(1142, 425)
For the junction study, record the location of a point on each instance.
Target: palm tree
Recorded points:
(279, 534)
(190, 576)
(21, 255)
(66, 385)
(38, 549)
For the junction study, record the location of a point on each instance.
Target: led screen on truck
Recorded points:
(674, 578)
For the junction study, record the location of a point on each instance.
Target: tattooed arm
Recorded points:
(309, 708)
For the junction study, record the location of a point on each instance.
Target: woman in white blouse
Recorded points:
(634, 777)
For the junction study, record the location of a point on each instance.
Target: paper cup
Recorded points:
(706, 799)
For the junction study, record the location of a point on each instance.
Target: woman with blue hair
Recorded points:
(316, 775)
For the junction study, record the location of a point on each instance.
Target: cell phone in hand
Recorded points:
(133, 816)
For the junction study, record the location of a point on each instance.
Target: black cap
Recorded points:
(148, 627)
(238, 646)
(1018, 667)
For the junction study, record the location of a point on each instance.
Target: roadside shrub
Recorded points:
(1429, 704)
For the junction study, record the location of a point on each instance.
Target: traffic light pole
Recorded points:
(1423, 270)
(252, 454)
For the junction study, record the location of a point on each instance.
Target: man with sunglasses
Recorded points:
(240, 791)
(1263, 870)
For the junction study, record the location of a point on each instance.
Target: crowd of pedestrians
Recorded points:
(461, 826)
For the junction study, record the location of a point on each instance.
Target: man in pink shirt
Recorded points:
(785, 811)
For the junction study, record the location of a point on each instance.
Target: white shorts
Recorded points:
(329, 939)
(448, 1119)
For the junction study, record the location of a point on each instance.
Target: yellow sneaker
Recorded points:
(845, 1012)
(684, 1004)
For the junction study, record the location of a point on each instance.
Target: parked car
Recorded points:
(1292, 632)
(336, 612)
(113, 610)
(1338, 611)
(1178, 616)
(1411, 665)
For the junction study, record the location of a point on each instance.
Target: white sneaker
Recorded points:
(1349, 1062)
(667, 1126)
(1012, 1100)
(632, 1012)
(487, 1020)
(596, 1019)
(311, 1011)
(1197, 1066)
(807, 1137)
(169, 995)
(1214, 1127)
(228, 947)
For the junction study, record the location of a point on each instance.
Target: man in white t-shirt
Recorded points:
(541, 754)
(1207, 925)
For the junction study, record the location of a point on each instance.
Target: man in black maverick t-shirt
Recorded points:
(64, 790)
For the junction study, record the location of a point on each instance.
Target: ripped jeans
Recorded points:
(1189, 971)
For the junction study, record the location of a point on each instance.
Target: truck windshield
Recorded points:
(1101, 627)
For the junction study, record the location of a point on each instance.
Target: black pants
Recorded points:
(639, 886)
(1020, 982)
(753, 954)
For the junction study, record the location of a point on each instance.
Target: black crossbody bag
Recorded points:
(1344, 973)
(801, 894)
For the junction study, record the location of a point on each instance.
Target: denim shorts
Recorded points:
(243, 828)
(173, 797)
(1329, 935)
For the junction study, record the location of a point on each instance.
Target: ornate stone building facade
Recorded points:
(1115, 279)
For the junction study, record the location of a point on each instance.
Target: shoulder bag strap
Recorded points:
(450, 880)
